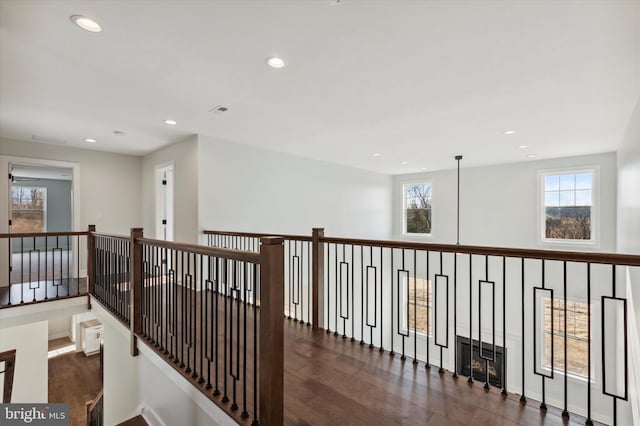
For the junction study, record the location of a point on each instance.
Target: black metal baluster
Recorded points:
(225, 397)
(46, 268)
(255, 345)
(245, 412)
(589, 421)
(391, 351)
(381, 349)
(328, 286)
(362, 298)
(183, 313)
(429, 297)
(504, 326)
(335, 249)
(216, 339)
(455, 316)
(565, 412)
(352, 314)
(203, 343)
(290, 283)
(523, 398)
(415, 306)
(470, 378)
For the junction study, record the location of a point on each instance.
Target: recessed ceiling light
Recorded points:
(170, 122)
(377, 155)
(404, 162)
(523, 146)
(275, 62)
(90, 140)
(86, 23)
(423, 168)
(509, 132)
(531, 155)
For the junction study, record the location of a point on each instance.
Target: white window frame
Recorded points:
(541, 350)
(595, 208)
(404, 209)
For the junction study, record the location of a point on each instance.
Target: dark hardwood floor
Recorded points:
(74, 379)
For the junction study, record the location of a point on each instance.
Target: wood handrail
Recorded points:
(561, 255)
(42, 234)
(243, 256)
(259, 235)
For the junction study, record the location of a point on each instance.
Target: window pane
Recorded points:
(583, 198)
(28, 209)
(552, 198)
(418, 208)
(567, 182)
(551, 183)
(567, 198)
(584, 180)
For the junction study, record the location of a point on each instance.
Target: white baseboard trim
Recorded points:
(149, 415)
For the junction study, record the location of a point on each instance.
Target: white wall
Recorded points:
(31, 375)
(629, 236)
(499, 205)
(243, 188)
(109, 183)
(185, 157)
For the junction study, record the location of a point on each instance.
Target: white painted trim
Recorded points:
(556, 244)
(403, 231)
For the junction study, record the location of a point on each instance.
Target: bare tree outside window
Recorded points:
(28, 207)
(568, 200)
(418, 208)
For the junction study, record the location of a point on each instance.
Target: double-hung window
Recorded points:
(417, 208)
(568, 206)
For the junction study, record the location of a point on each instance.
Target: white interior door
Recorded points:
(165, 202)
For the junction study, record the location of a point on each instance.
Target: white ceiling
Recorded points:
(416, 81)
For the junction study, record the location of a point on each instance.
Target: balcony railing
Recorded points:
(548, 325)
(214, 314)
(43, 267)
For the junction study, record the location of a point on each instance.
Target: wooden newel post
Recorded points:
(91, 267)
(317, 281)
(271, 346)
(135, 270)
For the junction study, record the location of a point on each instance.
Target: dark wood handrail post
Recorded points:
(271, 346)
(91, 271)
(136, 289)
(317, 304)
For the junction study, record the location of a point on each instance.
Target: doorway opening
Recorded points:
(164, 179)
(41, 200)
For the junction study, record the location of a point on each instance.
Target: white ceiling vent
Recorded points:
(219, 109)
(52, 141)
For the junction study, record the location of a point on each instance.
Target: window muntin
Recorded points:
(568, 206)
(28, 209)
(417, 208)
(577, 336)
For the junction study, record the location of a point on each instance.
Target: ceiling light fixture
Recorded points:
(90, 140)
(404, 162)
(377, 155)
(275, 62)
(531, 155)
(86, 23)
(170, 122)
(523, 146)
(509, 132)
